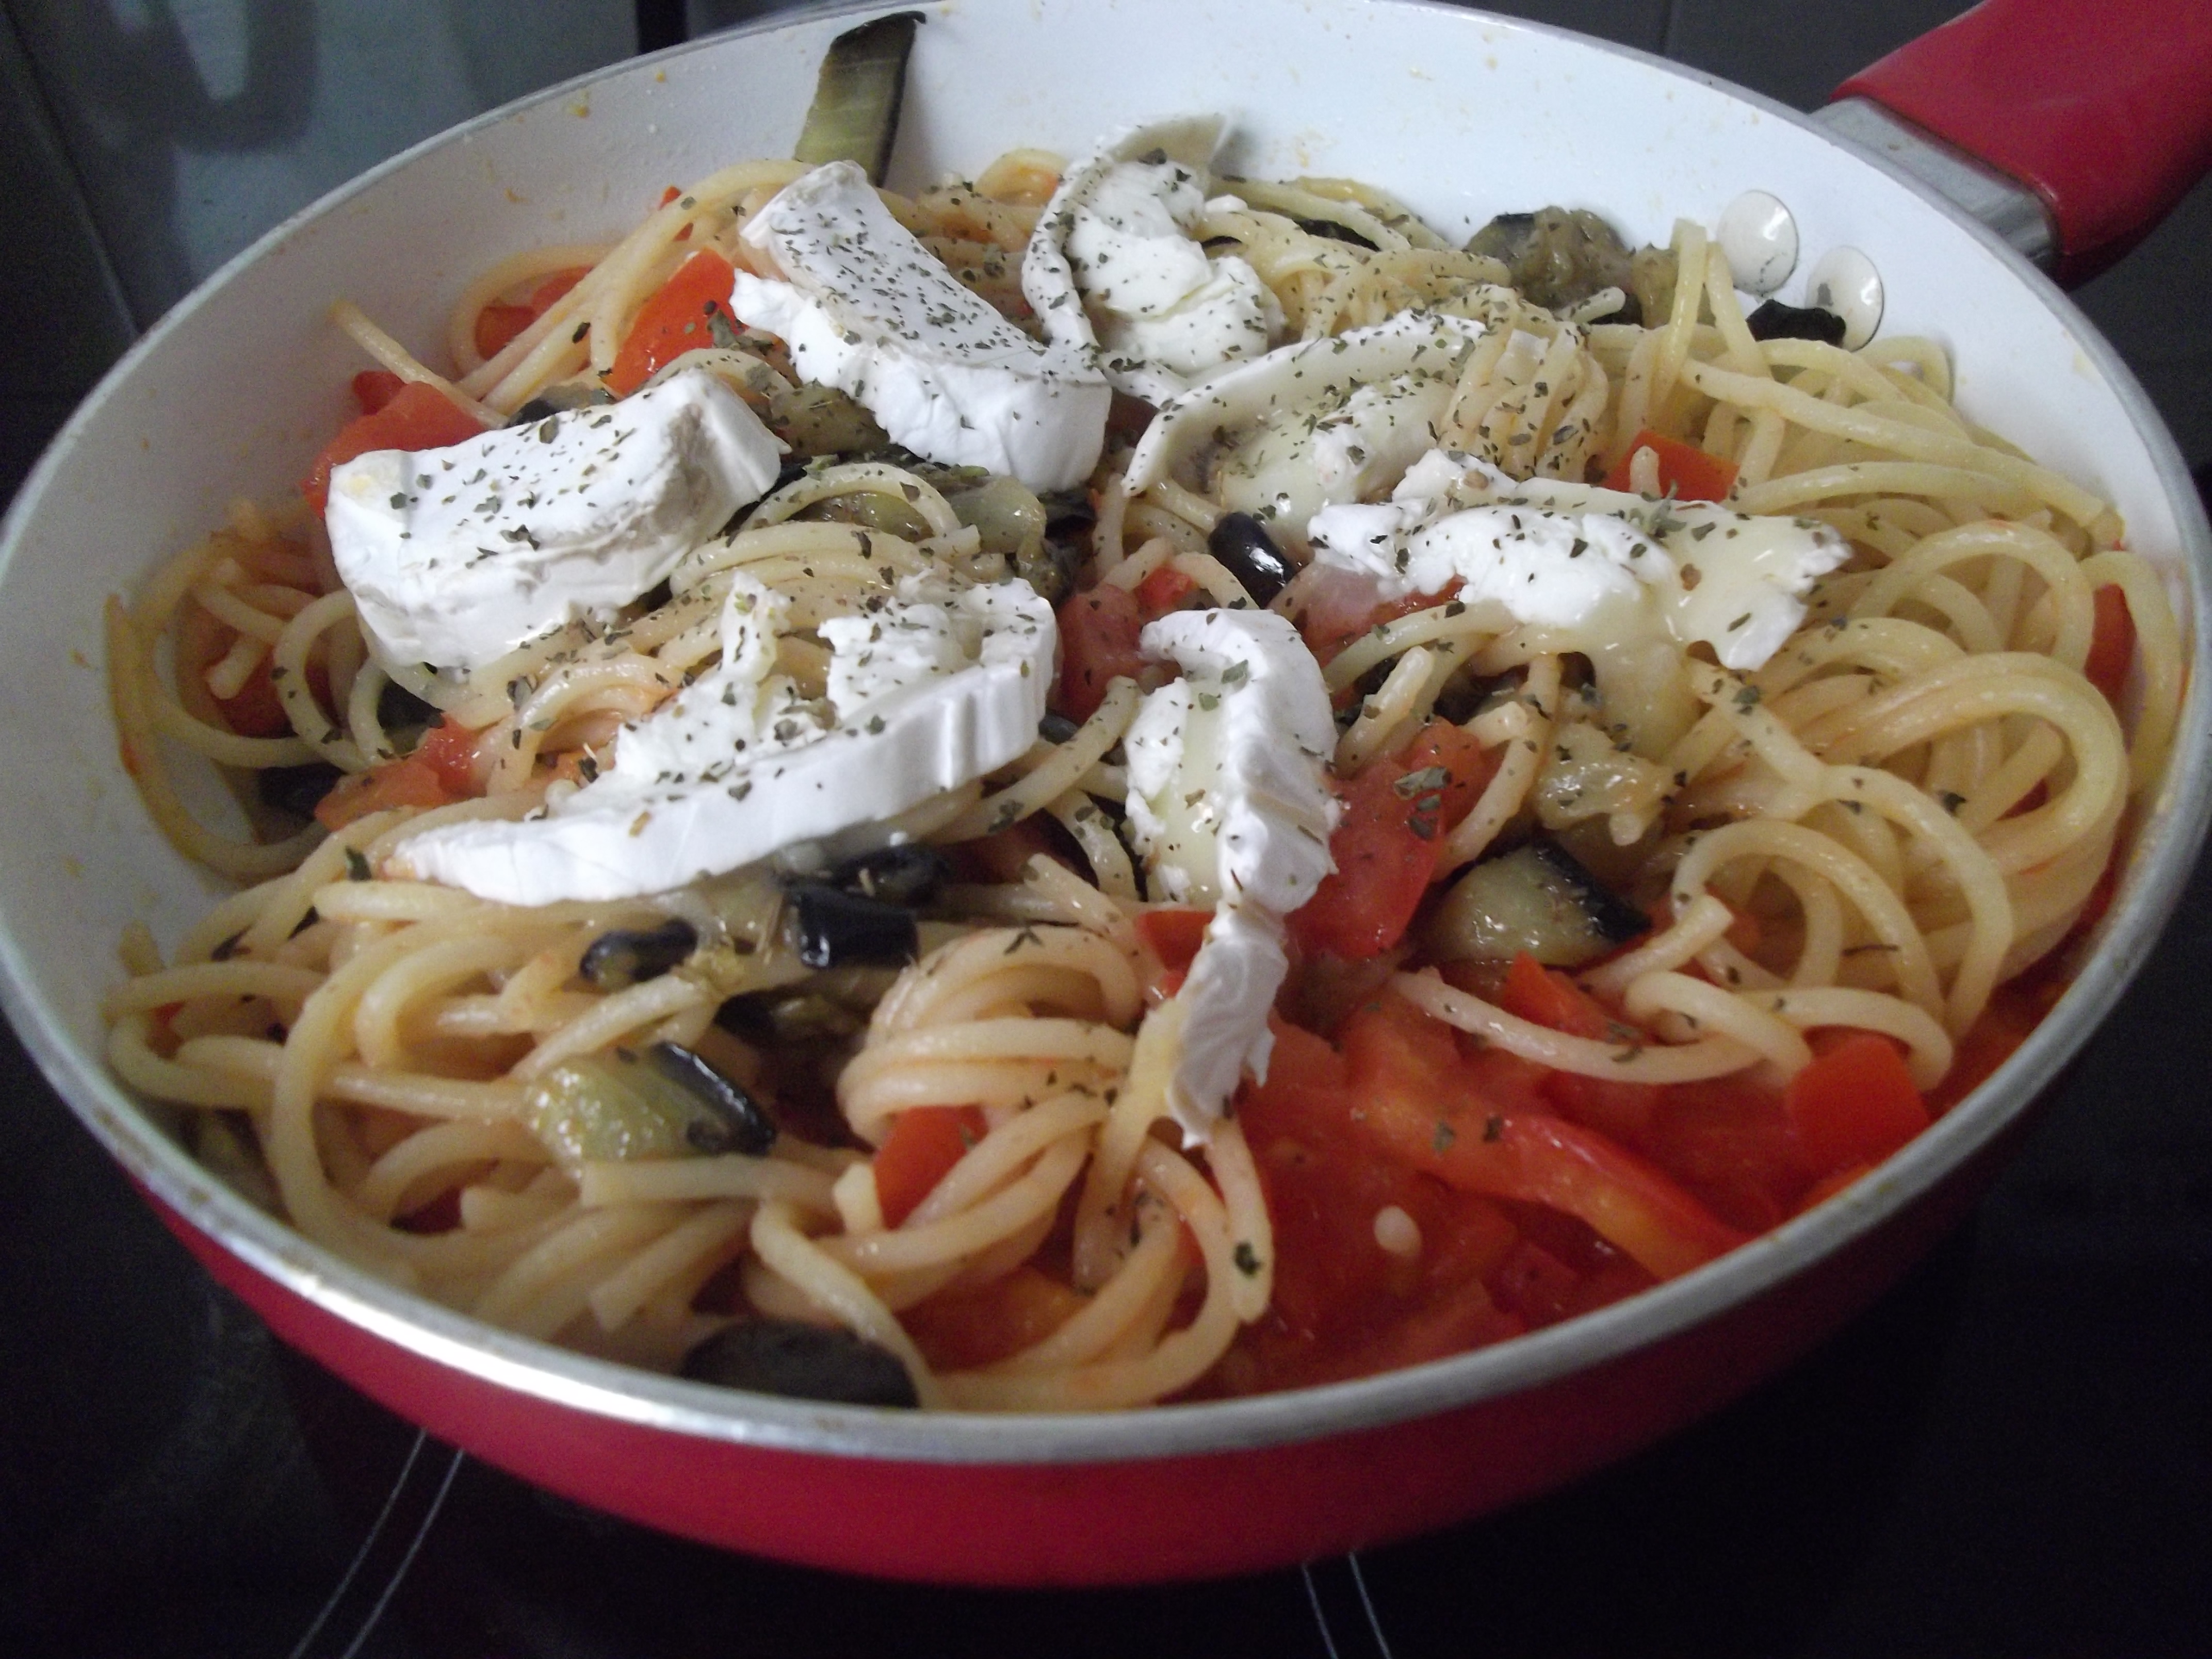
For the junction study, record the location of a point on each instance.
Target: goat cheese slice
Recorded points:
(1575, 556)
(865, 308)
(1321, 422)
(456, 556)
(1113, 270)
(935, 687)
(1230, 806)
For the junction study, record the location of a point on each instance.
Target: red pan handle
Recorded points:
(2103, 107)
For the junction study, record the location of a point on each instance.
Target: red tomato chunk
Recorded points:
(417, 416)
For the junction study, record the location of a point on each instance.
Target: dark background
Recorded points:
(2010, 1456)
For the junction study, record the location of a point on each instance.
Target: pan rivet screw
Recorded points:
(1760, 238)
(1846, 282)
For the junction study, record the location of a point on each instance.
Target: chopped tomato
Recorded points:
(373, 388)
(924, 1143)
(1467, 765)
(254, 710)
(1098, 645)
(412, 782)
(1163, 590)
(674, 320)
(1728, 1140)
(450, 750)
(1005, 856)
(1854, 1104)
(1173, 936)
(1544, 996)
(501, 320)
(418, 416)
(667, 196)
(1535, 1283)
(1821, 1191)
(960, 1330)
(1342, 606)
(1448, 1116)
(2015, 1011)
(1385, 855)
(1344, 1304)
(2111, 643)
(1685, 471)
(1386, 847)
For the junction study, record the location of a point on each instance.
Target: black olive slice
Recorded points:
(559, 401)
(1249, 553)
(1776, 321)
(398, 709)
(909, 874)
(1334, 232)
(829, 927)
(618, 959)
(1067, 512)
(739, 1124)
(1058, 728)
(296, 789)
(802, 1362)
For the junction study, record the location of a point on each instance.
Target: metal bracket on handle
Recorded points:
(2008, 207)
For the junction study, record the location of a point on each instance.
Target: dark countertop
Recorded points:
(2011, 1455)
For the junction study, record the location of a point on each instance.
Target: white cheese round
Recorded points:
(1113, 270)
(456, 556)
(865, 308)
(930, 690)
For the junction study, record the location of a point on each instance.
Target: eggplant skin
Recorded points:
(854, 116)
(1538, 900)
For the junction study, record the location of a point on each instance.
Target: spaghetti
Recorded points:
(1882, 829)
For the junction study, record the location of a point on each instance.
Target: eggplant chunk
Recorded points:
(1537, 898)
(733, 1121)
(1556, 257)
(559, 399)
(801, 1361)
(1332, 231)
(665, 1103)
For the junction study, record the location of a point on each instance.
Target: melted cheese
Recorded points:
(1627, 580)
